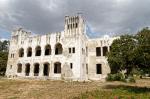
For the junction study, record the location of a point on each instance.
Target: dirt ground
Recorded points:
(47, 89)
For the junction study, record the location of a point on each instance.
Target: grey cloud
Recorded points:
(104, 16)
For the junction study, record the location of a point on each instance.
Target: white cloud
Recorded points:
(104, 16)
(3, 39)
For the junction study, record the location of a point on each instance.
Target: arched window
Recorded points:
(57, 67)
(29, 52)
(21, 52)
(47, 50)
(27, 69)
(46, 69)
(38, 51)
(36, 69)
(19, 69)
(58, 49)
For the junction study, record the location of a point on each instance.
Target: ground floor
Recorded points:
(57, 70)
(47, 70)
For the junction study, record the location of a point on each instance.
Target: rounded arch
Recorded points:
(46, 69)
(38, 51)
(27, 69)
(46, 63)
(57, 67)
(58, 49)
(48, 49)
(29, 52)
(21, 52)
(36, 69)
(19, 68)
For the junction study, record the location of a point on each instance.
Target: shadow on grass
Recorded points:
(130, 89)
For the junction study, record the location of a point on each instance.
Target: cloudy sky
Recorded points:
(113, 17)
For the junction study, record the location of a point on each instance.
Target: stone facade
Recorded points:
(69, 54)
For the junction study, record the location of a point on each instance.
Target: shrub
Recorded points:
(115, 77)
(109, 77)
(130, 79)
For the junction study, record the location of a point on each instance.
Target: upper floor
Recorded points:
(72, 39)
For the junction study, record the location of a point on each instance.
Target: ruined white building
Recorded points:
(69, 54)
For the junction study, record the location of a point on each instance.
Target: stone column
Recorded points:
(42, 50)
(41, 70)
(31, 74)
(23, 69)
(101, 51)
(33, 52)
(51, 72)
(52, 50)
(49, 75)
(25, 52)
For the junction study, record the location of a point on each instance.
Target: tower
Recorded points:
(74, 25)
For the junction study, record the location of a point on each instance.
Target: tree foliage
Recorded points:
(3, 56)
(130, 53)
(143, 50)
(119, 56)
(4, 45)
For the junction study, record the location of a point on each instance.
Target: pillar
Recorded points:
(23, 69)
(101, 51)
(42, 51)
(25, 52)
(51, 69)
(41, 70)
(31, 74)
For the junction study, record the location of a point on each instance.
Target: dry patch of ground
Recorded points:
(46, 89)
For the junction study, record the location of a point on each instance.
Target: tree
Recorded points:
(119, 58)
(142, 52)
(4, 45)
(3, 56)
(3, 62)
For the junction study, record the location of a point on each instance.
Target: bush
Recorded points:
(130, 79)
(115, 77)
(110, 77)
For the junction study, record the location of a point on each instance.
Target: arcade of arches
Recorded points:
(38, 50)
(45, 69)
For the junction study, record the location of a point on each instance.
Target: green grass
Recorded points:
(117, 92)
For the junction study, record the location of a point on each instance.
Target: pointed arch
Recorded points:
(47, 49)
(19, 68)
(36, 69)
(27, 69)
(58, 49)
(38, 51)
(21, 52)
(29, 52)
(57, 67)
(46, 69)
